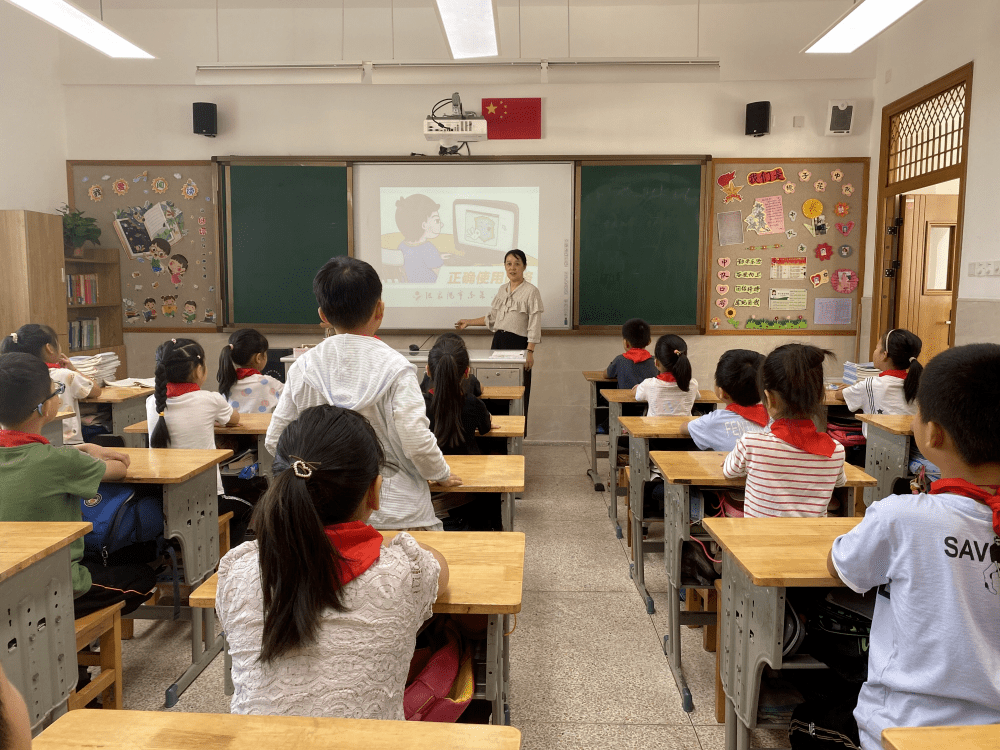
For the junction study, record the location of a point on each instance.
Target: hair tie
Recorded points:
(303, 469)
(678, 352)
(913, 359)
(159, 413)
(230, 346)
(174, 340)
(13, 337)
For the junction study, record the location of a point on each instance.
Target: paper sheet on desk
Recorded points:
(507, 354)
(132, 382)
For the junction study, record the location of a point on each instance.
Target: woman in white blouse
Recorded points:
(515, 316)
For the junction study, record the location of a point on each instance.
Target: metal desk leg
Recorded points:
(127, 413)
(886, 459)
(507, 511)
(639, 474)
(202, 652)
(264, 459)
(517, 406)
(614, 431)
(497, 666)
(592, 471)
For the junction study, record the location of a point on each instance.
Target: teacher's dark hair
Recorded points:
(347, 291)
(517, 254)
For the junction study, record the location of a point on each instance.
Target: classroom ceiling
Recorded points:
(754, 40)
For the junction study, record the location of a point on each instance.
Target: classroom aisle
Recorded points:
(587, 667)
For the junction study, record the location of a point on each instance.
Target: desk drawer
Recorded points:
(499, 376)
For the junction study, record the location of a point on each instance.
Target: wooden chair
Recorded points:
(105, 624)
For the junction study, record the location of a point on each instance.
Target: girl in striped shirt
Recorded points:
(791, 469)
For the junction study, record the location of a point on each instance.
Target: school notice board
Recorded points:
(161, 216)
(788, 245)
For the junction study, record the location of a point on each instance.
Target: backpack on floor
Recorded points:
(122, 515)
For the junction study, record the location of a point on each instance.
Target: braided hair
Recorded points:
(176, 361)
(243, 345)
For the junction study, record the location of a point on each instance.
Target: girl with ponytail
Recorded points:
(240, 378)
(673, 391)
(454, 412)
(321, 614)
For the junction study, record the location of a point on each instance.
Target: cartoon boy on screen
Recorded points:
(418, 219)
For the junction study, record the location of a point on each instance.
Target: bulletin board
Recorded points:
(788, 246)
(161, 216)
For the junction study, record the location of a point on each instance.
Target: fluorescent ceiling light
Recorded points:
(865, 20)
(470, 26)
(87, 29)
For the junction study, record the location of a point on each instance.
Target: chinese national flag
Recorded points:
(513, 118)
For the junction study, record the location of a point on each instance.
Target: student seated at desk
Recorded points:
(673, 391)
(239, 376)
(42, 342)
(636, 364)
(934, 656)
(736, 385)
(791, 469)
(15, 726)
(40, 482)
(344, 648)
(471, 383)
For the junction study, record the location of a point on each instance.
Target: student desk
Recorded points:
(155, 730)
(53, 431)
(596, 381)
(887, 454)
(512, 393)
(38, 638)
(486, 570)
(250, 424)
(190, 515)
(986, 737)
(128, 406)
(761, 558)
(503, 474)
(681, 471)
(510, 427)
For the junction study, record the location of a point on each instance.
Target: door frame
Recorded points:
(886, 203)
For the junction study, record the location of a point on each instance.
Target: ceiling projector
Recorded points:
(456, 128)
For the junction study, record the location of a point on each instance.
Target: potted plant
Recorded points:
(78, 230)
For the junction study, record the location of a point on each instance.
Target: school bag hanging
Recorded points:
(441, 681)
(122, 515)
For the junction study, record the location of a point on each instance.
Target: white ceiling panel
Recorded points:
(632, 28)
(367, 29)
(280, 34)
(417, 32)
(544, 24)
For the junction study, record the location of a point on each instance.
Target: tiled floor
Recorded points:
(587, 667)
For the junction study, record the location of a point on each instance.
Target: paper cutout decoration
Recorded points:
(201, 220)
(189, 190)
(787, 299)
(836, 175)
(105, 177)
(842, 209)
(84, 179)
(748, 274)
(766, 176)
(812, 208)
(820, 278)
(824, 251)
(177, 175)
(756, 221)
(120, 186)
(159, 185)
(776, 324)
(731, 312)
(722, 289)
(789, 233)
(715, 323)
(788, 187)
(730, 227)
(802, 247)
(844, 280)
(788, 268)
(792, 215)
(724, 262)
(774, 213)
(817, 227)
(845, 229)
(753, 248)
(96, 193)
(832, 311)
(847, 190)
(723, 275)
(820, 186)
(728, 184)
(142, 176)
(804, 175)
(845, 251)
(721, 303)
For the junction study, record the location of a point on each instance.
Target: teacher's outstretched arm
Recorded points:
(466, 322)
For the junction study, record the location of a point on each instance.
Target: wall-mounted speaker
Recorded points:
(206, 119)
(758, 119)
(839, 116)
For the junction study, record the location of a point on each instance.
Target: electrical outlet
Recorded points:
(984, 268)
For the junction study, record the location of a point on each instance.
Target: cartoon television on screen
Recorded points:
(484, 230)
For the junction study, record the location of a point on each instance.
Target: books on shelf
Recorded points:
(84, 333)
(81, 288)
(853, 371)
(98, 367)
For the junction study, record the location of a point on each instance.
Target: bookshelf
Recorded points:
(102, 266)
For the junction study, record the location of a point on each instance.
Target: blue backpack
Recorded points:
(122, 514)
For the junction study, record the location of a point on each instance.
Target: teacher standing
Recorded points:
(515, 316)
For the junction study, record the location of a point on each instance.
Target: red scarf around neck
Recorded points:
(179, 389)
(901, 374)
(359, 546)
(637, 355)
(55, 365)
(756, 413)
(666, 377)
(245, 372)
(802, 434)
(14, 438)
(968, 489)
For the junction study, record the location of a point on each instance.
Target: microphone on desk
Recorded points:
(416, 347)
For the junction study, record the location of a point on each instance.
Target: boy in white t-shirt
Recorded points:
(736, 385)
(935, 640)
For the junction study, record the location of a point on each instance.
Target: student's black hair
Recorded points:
(183, 261)
(299, 575)
(671, 351)
(176, 360)
(960, 391)
(448, 360)
(903, 348)
(30, 339)
(636, 333)
(517, 254)
(794, 372)
(24, 383)
(243, 345)
(347, 291)
(411, 214)
(736, 374)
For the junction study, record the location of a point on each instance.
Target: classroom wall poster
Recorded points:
(730, 228)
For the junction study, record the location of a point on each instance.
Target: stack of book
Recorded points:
(853, 372)
(84, 333)
(81, 288)
(98, 367)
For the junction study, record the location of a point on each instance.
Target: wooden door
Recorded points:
(926, 275)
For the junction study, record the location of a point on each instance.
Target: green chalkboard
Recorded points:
(285, 223)
(639, 244)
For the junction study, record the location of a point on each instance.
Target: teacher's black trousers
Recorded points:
(508, 340)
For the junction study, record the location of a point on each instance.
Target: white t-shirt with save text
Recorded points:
(720, 429)
(666, 399)
(878, 395)
(77, 386)
(934, 657)
(191, 419)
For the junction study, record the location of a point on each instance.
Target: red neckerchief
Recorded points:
(637, 355)
(666, 377)
(14, 438)
(901, 374)
(802, 434)
(245, 372)
(179, 389)
(968, 489)
(359, 546)
(430, 391)
(55, 365)
(756, 413)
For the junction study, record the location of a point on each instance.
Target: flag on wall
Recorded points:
(513, 118)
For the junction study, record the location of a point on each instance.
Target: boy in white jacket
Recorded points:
(356, 371)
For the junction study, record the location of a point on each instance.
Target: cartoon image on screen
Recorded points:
(481, 229)
(486, 229)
